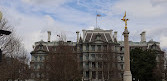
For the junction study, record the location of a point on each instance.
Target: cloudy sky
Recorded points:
(33, 18)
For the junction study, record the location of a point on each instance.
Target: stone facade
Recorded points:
(92, 47)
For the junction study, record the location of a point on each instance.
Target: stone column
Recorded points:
(127, 72)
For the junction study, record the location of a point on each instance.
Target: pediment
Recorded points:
(39, 52)
(98, 41)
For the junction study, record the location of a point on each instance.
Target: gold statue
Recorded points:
(125, 20)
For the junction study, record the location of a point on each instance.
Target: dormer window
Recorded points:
(40, 47)
(98, 36)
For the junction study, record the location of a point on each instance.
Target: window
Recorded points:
(87, 47)
(98, 37)
(105, 47)
(80, 48)
(33, 75)
(121, 57)
(40, 58)
(40, 66)
(87, 57)
(40, 47)
(99, 74)
(87, 74)
(93, 56)
(87, 64)
(122, 66)
(110, 73)
(38, 75)
(35, 66)
(94, 74)
(81, 64)
(105, 64)
(105, 75)
(36, 58)
(93, 47)
(99, 56)
(55, 49)
(99, 47)
(121, 49)
(99, 64)
(81, 57)
(122, 75)
(93, 65)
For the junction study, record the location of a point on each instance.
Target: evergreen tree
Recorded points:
(143, 63)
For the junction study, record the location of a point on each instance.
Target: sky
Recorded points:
(33, 18)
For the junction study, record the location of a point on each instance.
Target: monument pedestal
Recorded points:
(127, 76)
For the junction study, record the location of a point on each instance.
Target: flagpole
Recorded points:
(96, 19)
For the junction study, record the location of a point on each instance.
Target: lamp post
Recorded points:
(3, 32)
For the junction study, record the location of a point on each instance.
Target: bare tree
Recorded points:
(62, 64)
(14, 63)
(109, 64)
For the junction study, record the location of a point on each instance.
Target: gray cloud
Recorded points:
(46, 2)
(158, 2)
(33, 27)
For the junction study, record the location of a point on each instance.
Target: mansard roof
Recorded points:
(97, 34)
(46, 47)
(40, 47)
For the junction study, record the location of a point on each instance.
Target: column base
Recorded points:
(127, 76)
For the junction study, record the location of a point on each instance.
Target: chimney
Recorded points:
(77, 32)
(111, 34)
(84, 31)
(49, 34)
(115, 35)
(143, 36)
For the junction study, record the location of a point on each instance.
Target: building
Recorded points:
(100, 53)
(39, 54)
(94, 46)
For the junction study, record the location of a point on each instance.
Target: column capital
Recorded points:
(125, 32)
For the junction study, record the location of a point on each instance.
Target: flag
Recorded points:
(98, 15)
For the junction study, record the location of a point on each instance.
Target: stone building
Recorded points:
(39, 54)
(94, 47)
(100, 53)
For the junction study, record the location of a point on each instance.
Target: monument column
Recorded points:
(127, 73)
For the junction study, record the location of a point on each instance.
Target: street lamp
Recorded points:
(4, 32)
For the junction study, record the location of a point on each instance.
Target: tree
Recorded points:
(165, 70)
(62, 64)
(14, 69)
(109, 64)
(14, 62)
(143, 65)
